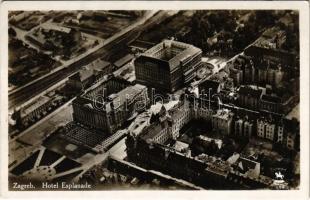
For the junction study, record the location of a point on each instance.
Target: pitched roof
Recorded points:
(85, 74)
(153, 130)
(122, 61)
(98, 64)
(246, 164)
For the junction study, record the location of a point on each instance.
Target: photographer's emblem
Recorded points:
(279, 175)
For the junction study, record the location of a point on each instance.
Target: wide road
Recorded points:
(20, 96)
(26, 93)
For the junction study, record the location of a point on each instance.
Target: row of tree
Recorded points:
(227, 32)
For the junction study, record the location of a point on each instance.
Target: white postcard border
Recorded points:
(303, 8)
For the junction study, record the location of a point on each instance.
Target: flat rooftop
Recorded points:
(172, 52)
(104, 89)
(129, 93)
(224, 114)
(105, 96)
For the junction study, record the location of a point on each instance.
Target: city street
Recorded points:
(30, 90)
(31, 139)
(38, 132)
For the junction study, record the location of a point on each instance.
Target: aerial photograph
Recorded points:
(153, 100)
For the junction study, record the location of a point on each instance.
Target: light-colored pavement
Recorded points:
(34, 136)
(118, 151)
(58, 117)
(18, 148)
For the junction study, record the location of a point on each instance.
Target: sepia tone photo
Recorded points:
(154, 99)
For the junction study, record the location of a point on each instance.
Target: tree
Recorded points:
(12, 32)
(264, 18)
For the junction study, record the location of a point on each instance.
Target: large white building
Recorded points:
(168, 65)
(108, 105)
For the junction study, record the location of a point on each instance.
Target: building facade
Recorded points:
(243, 127)
(249, 97)
(266, 128)
(222, 121)
(90, 74)
(149, 149)
(209, 88)
(168, 65)
(108, 105)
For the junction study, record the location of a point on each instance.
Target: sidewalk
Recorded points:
(37, 133)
